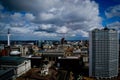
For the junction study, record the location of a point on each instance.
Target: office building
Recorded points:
(103, 53)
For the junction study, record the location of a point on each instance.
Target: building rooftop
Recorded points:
(104, 29)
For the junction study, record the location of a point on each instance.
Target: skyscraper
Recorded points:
(104, 53)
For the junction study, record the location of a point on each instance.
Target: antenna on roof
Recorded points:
(106, 28)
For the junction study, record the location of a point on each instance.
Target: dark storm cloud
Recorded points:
(17, 5)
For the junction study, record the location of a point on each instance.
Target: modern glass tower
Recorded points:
(104, 53)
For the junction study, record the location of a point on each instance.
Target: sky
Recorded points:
(54, 19)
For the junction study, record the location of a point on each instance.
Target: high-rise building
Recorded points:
(103, 53)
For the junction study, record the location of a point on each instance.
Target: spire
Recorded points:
(8, 31)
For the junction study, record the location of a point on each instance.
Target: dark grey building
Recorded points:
(104, 53)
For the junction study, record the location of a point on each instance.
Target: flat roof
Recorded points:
(69, 57)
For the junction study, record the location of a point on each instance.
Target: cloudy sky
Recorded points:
(53, 19)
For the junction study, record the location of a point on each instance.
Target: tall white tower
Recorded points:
(8, 37)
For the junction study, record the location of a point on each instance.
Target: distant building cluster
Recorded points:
(97, 57)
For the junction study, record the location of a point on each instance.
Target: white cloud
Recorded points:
(115, 25)
(53, 10)
(16, 16)
(22, 17)
(45, 34)
(51, 17)
(45, 27)
(29, 16)
(62, 29)
(81, 33)
(22, 30)
(46, 16)
(113, 11)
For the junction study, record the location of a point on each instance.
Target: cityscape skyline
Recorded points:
(53, 19)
